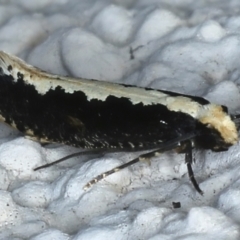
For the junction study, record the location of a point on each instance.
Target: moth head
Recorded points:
(221, 126)
(236, 120)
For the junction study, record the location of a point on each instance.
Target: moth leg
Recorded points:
(147, 159)
(143, 157)
(188, 161)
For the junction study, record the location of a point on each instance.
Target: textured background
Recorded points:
(187, 46)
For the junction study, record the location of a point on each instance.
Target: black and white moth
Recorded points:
(106, 116)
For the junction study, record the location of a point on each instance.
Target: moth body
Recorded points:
(100, 115)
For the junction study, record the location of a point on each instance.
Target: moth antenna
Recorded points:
(105, 150)
(84, 153)
(97, 151)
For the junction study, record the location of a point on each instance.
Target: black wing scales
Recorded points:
(72, 119)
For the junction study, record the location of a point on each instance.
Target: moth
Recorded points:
(105, 116)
